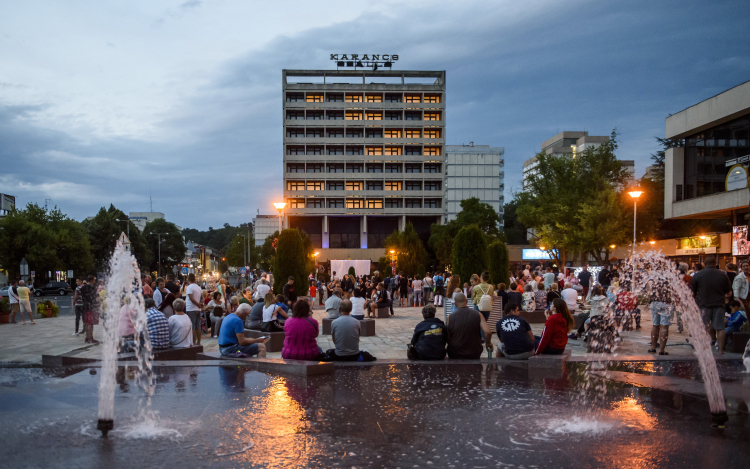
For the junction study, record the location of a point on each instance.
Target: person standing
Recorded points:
(662, 312)
(78, 304)
(24, 301)
(159, 292)
(13, 299)
(193, 307)
(91, 304)
(741, 285)
(584, 278)
(416, 285)
(710, 285)
(148, 292)
(288, 292)
(482, 296)
(403, 290)
(549, 278)
(604, 278)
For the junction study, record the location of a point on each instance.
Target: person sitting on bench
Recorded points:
(271, 312)
(466, 326)
(345, 335)
(515, 335)
(555, 333)
(232, 338)
(429, 339)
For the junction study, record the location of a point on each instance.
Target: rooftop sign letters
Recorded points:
(364, 60)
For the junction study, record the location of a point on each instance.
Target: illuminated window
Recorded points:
(412, 98)
(394, 203)
(393, 185)
(314, 133)
(432, 98)
(413, 133)
(315, 115)
(336, 168)
(295, 150)
(314, 185)
(354, 168)
(432, 151)
(392, 151)
(374, 150)
(314, 167)
(413, 203)
(374, 168)
(353, 116)
(355, 133)
(334, 133)
(334, 97)
(335, 150)
(374, 203)
(314, 151)
(374, 185)
(393, 115)
(413, 168)
(432, 203)
(295, 167)
(393, 167)
(354, 203)
(335, 185)
(431, 133)
(314, 203)
(432, 167)
(413, 185)
(335, 203)
(374, 133)
(296, 203)
(295, 97)
(413, 150)
(392, 98)
(353, 98)
(413, 116)
(392, 134)
(335, 115)
(314, 98)
(295, 115)
(432, 116)
(374, 98)
(295, 185)
(354, 185)
(295, 132)
(374, 116)
(432, 185)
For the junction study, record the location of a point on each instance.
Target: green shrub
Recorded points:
(290, 261)
(499, 264)
(469, 252)
(421, 272)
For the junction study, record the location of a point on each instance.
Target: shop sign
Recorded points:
(698, 242)
(697, 251)
(736, 178)
(535, 254)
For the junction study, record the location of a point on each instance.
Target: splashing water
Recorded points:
(124, 297)
(657, 276)
(746, 357)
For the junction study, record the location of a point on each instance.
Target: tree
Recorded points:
(237, 251)
(603, 222)
(218, 239)
(515, 232)
(499, 263)
(441, 242)
(469, 252)
(104, 230)
(290, 261)
(421, 271)
(267, 252)
(411, 251)
(48, 240)
(172, 245)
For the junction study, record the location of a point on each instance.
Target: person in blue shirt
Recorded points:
(232, 338)
(738, 318)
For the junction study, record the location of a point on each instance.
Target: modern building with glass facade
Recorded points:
(709, 138)
(473, 171)
(363, 155)
(263, 227)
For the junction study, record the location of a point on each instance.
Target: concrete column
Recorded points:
(325, 232)
(363, 232)
(402, 223)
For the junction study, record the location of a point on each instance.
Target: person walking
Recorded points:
(710, 285)
(91, 304)
(24, 301)
(482, 295)
(78, 304)
(13, 300)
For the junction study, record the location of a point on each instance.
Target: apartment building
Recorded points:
(473, 171)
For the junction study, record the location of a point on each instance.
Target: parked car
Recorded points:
(4, 292)
(53, 288)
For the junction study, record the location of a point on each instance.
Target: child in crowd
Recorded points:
(738, 318)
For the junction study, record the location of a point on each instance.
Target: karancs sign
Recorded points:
(370, 57)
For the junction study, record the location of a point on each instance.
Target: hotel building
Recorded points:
(363, 155)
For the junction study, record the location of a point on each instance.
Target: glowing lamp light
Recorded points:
(279, 205)
(316, 254)
(541, 247)
(392, 252)
(702, 237)
(612, 246)
(652, 242)
(635, 193)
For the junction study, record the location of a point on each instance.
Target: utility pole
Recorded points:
(159, 235)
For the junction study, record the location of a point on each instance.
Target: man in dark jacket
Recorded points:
(710, 285)
(465, 327)
(288, 292)
(604, 278)
(429, 339)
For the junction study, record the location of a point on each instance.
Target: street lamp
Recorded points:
(280, 207)
(635, 193)
(159, 235)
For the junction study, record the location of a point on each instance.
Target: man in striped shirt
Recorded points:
(158, 326)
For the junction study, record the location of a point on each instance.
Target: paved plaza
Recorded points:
(52, 336)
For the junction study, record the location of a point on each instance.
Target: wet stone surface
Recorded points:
(379, 416)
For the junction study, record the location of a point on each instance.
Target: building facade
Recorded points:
(473, 171)
(703, 173)
(140, 219)
(263, 227)
(571, 143)
(363, 156)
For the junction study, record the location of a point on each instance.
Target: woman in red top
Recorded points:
(555, 334)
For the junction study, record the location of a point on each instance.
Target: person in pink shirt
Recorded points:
(301, 333)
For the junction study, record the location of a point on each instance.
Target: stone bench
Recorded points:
(276, 365)
(274, 345)
(383, 313)
(366, 327)
(167, 354)
(739, 341)
(326, 326)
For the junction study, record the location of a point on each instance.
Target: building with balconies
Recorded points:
(363, 155)
(473, 171)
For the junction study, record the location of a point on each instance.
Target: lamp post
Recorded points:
(280, 207)
(634, 193)
(244, 250)
(159, 235)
